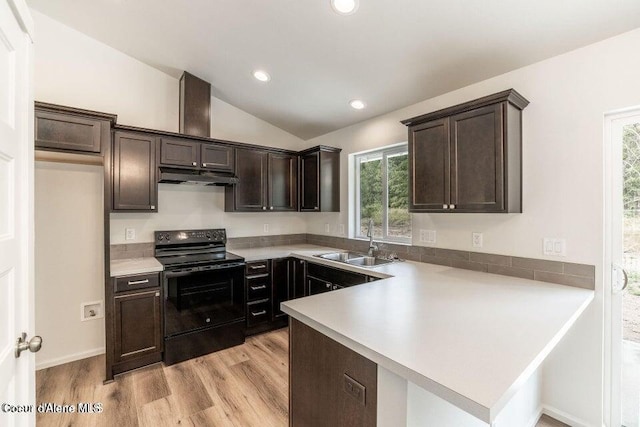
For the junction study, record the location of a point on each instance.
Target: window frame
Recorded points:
(384, 153)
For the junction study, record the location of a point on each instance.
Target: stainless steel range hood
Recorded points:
(196, 177)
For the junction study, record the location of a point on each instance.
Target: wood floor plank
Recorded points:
(243, 386)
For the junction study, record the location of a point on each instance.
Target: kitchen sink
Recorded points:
(342, 256)
(368, 261)
(355, 258)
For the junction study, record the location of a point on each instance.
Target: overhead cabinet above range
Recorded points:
(468, 158)
(199, 155)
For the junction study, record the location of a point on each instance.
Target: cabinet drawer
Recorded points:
(334, 275)
(138, 281)
(258, 312)
(258, 287)
(257, 267)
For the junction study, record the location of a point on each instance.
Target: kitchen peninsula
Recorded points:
(471, 339)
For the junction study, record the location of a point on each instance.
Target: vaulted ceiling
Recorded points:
(389, 53)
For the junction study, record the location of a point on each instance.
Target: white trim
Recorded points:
(69, 358)
(536, 417)
(23, 16)
(564, 417)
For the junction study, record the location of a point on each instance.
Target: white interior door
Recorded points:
(17, 375)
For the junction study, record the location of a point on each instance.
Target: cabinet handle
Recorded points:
(257, 267)
(204, 165)
(452, 206)
(137, 282)
(194, 164)
(153, 207)
(328, 285)
(255, 288)
(264, 208)
(157, 294)
(259, 313)
(270, 208)
(301, 261)
(445, 207)
(315, 207)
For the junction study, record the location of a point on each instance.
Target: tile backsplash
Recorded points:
(564, 273)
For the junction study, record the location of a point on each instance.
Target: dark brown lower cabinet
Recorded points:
(330, 385)
(137, 318)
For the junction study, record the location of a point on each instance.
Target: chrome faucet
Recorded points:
(372, 246)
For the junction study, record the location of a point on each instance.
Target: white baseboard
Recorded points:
(564, 417)
(69, 358)
(534, 420)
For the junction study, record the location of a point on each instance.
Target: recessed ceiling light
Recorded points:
(357, 104)
(345, 7)
(263, 76)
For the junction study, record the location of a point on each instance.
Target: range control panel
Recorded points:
(217, 235)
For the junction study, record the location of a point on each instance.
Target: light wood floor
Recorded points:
(243, 386)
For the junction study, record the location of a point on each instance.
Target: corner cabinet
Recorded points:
(135, 187)
(268, 182)
(320, 179)
(468, 158)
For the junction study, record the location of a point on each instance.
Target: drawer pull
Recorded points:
(328, 285)
(137, 282)
(194, 164)
(259, 313)
(257, 267)
(204, 165)
(255, 288)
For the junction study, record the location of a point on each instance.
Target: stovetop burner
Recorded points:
(185, 248)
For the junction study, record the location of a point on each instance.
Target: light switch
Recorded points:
(554, 246)
(265, 228)
(130, 234)
(428, 236)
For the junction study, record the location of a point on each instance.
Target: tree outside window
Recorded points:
(382, 194)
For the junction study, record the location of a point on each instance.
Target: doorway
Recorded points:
(622, 219)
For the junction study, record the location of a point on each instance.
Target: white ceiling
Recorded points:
(391, 53)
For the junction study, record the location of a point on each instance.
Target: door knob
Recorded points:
(33, 345)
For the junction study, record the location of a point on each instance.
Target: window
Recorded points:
(382, 194)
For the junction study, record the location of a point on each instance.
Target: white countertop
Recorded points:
(471, 338)
(127, 267)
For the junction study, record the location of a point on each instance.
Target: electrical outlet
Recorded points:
(326, 228)
(265, 228)
(341, 229)
(354, 389)
(554, 246)
(428, 236)
(130, 234)
(476, 240)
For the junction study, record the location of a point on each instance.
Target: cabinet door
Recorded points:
(317, 286)
(329, 181)
(280, 279)
(297, 288)
(178, 152)
(283, 182)
(138, 325)
(310, 182)
(477, 160)
(429, 166)
(68, 132)
(134, 172)
(251, 169)
(216, 157)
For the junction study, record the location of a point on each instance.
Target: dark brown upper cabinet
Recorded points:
(68, 129)
(468, 158)
(199, 155)
(135, 187)
(268, 182)
(320, 179)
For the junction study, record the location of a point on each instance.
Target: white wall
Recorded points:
(562, 187)
(69, 263)
(74, 69)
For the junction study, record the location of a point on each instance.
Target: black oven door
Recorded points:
(202, 298)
